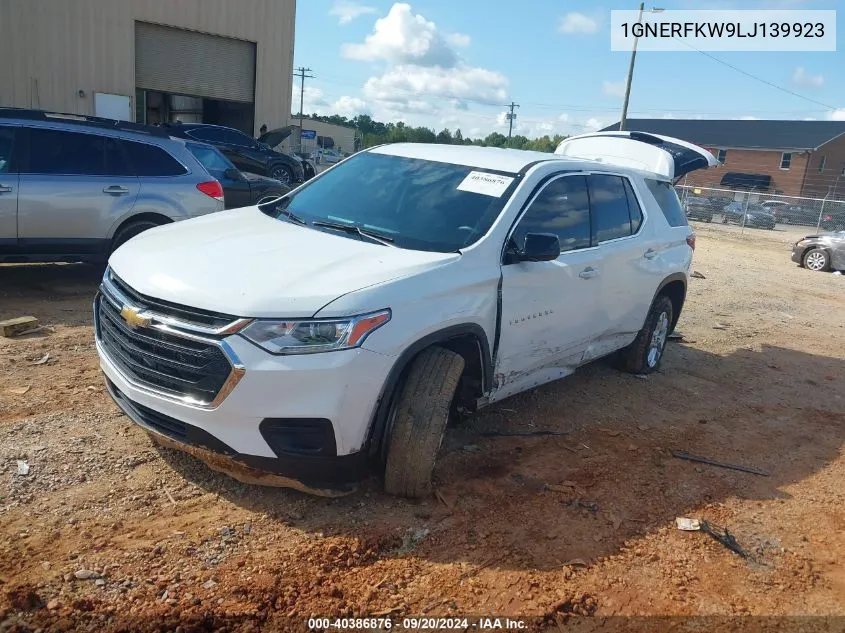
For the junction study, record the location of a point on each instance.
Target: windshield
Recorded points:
(415, 203)
(210, 158)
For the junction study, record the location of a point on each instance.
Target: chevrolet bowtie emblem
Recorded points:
(133, 318)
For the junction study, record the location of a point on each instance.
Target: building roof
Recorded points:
(742, 134)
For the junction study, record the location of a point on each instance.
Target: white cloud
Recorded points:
(578, 23)
(459, 40)
(461, 83)
(836, 115)
(351, 106)
(747, 117)
(402, 37)
(563, 118)
(668, 115)
(801, 78)
(316, 102)
(347, 10)
(613, 88)
(592, 124)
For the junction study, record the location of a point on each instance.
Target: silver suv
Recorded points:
(74, 188)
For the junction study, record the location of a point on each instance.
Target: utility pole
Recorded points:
(511, 116)
(624, 118)
(302, 73)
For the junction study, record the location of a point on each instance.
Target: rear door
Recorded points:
(627, 257)
(72, 186)
(8, 188)
(669, 157)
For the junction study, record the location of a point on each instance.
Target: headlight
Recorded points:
(313, 335)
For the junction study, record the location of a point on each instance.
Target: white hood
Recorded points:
(244, 263)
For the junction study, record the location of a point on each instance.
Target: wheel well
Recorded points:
(142, 217)
(676, 291)
(471, 386)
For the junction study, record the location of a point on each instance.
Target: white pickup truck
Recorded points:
(327, 335)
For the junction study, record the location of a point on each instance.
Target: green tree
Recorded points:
(444, 137)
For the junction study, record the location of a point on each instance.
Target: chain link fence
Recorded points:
(760, 210)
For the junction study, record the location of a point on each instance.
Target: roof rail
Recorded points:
(81, 119)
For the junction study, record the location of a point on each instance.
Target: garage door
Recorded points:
(190, 63)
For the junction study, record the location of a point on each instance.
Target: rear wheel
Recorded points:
(126, 233)
(418, 419)
(816, 259)
(643, 356)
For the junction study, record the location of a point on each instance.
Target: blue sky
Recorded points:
(455, 63)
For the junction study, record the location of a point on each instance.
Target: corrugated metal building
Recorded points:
(228, 62)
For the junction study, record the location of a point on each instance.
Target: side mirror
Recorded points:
(539, 247)
(233, 174)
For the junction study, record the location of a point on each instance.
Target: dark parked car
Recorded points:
(248, 154)
(790, 213)
(825, 251)
(833, 220)
(755, 216)
(240, 189)
(697, 208)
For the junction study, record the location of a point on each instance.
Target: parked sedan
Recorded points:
(825, 251)
(240, 189)
(790, 213)
(248, 154)
(697, 208)
(752, 215)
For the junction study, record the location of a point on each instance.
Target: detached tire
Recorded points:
(643, 356)
(129, 231)
(419, 414)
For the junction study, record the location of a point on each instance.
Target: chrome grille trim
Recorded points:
(174, 328)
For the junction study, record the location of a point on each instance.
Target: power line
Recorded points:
(755, 77)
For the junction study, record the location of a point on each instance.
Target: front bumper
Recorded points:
(797, 253)
(298, 421)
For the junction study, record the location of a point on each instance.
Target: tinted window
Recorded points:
(609, 204)
(149, 160)
(667, 199)
(234, 137)
(562, 208)
(75, 153)
(7, 137)
(213, 161)
(633, 207)
(210, 134)
(417, 203)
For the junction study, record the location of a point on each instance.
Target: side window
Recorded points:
(609, 205)
(7, 143)
(667, 199)
(562, 208)
(234, 137)
(633, 207)
(66, 153)
(150, 160)
(116, 163)
(210, 134)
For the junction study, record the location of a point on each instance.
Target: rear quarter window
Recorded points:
(151, 160)
(667, 199)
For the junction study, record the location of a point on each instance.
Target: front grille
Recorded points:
(164, 424)
(194, 316)
(169, 363)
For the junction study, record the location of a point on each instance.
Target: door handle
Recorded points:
(588, 273)
(5, 189)
(117, 189)
(650, 254)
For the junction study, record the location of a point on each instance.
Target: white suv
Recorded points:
(329, 334)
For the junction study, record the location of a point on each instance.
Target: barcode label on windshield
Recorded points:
(486, 184)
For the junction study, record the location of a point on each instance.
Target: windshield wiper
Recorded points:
(386, 240)
(280, 208)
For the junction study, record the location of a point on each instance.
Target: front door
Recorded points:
(550, 310)
(8, 189)
(72, 190)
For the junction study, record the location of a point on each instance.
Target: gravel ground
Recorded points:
(107, 532)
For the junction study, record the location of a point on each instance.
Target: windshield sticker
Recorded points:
(486, 184)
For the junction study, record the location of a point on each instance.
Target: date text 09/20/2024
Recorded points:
(418, 624)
